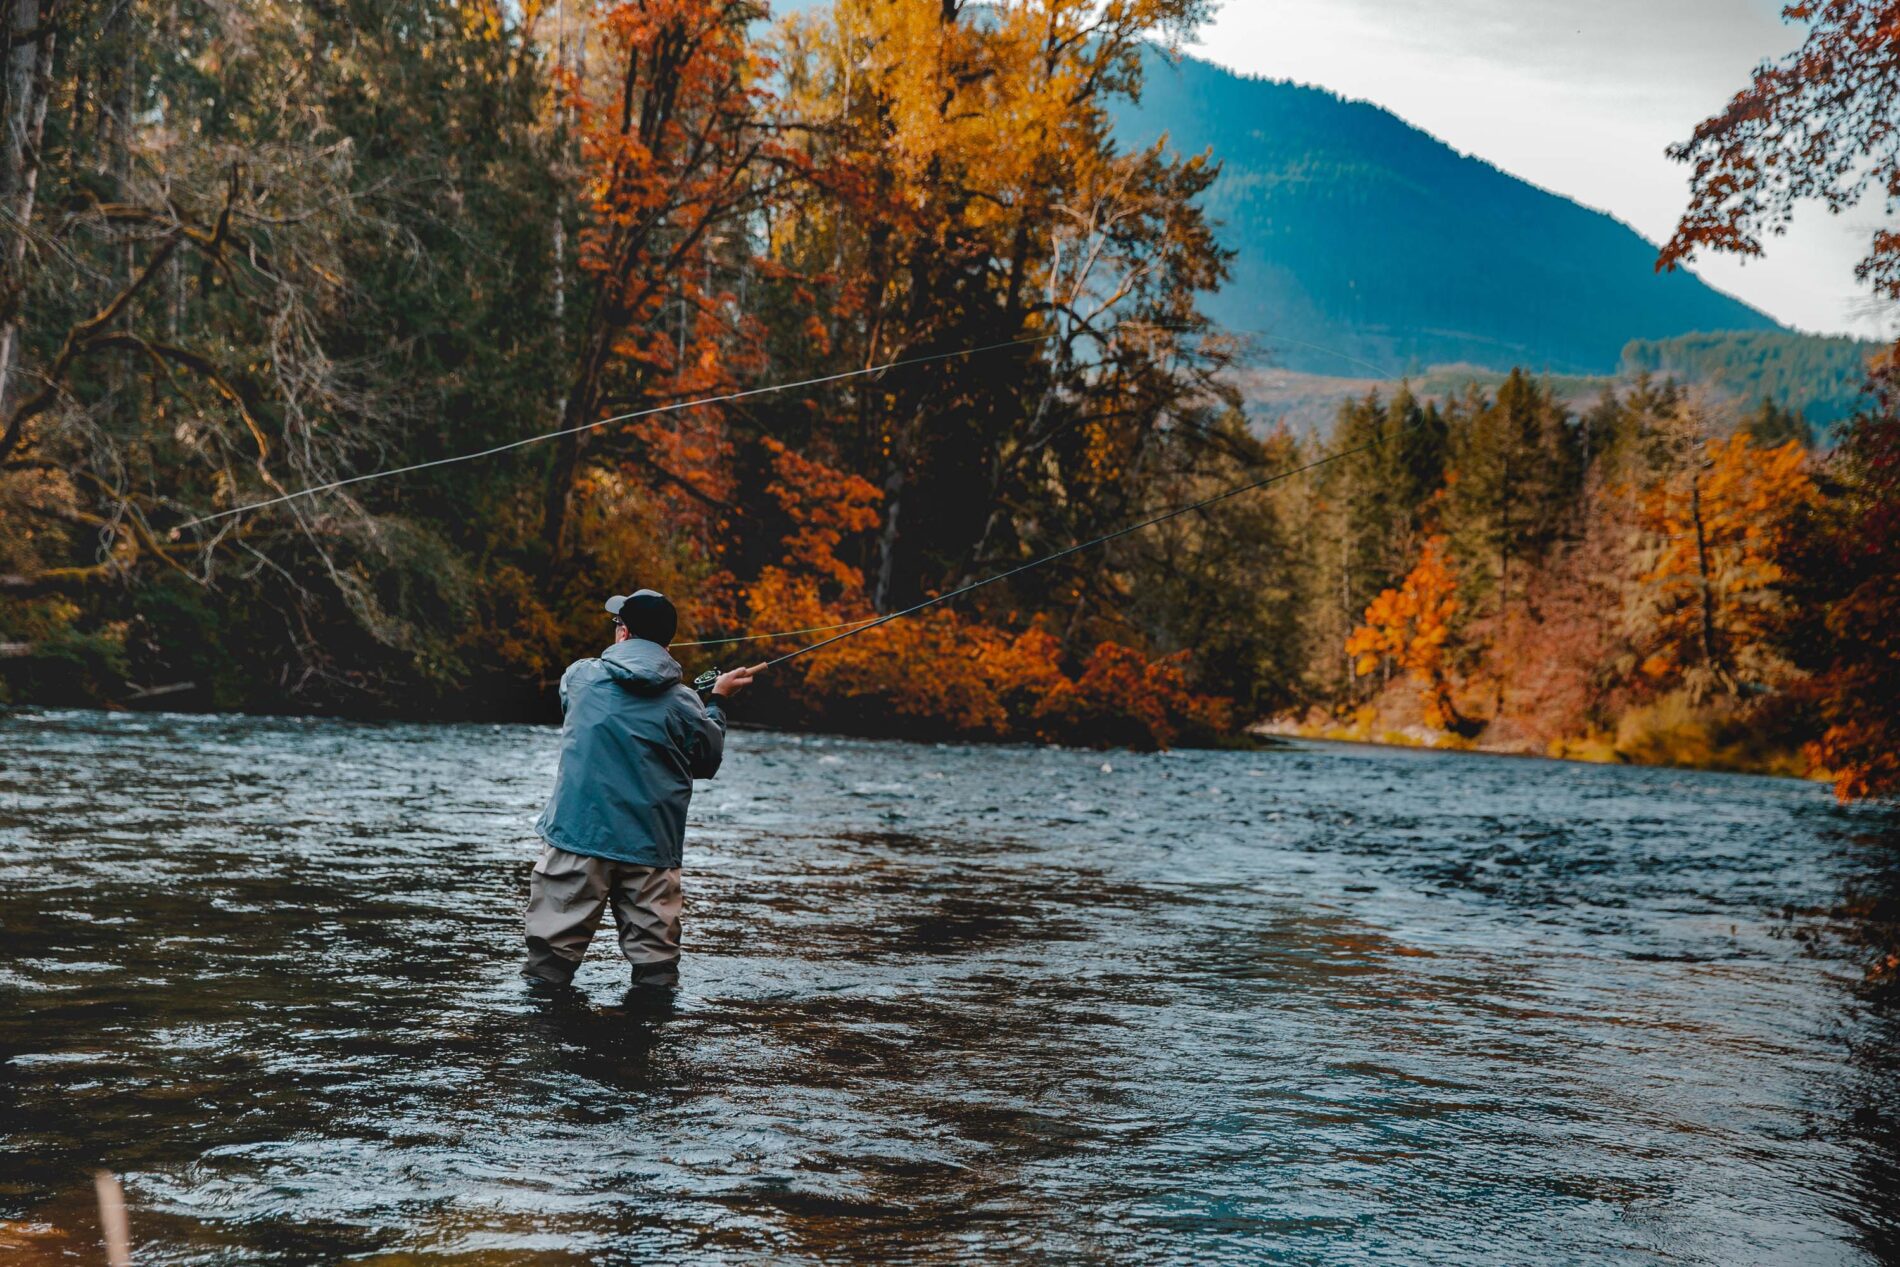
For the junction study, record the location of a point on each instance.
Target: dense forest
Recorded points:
(256, 251)
(1825, 379)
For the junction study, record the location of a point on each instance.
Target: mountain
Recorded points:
(1371, 239)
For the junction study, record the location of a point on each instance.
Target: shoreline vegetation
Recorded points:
(468, 228)
(1671, 737)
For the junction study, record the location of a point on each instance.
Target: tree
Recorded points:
(669, 146)
(1223, 583)
(1822, 124)
(26, 80)
(1846, 573)
(966, 192)
(1709, 601)
(163, 341)
(1515, 469)
(252, 282)
(1410, 626)
(1771, 425)
(1375, 502)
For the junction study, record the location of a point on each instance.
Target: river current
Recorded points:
(1314, 1004)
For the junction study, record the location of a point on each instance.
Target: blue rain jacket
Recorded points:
(633, 740)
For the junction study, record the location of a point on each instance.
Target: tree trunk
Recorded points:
(1505, 544)
(577, 407)
(28, 76)
(1345, 600)
(887, 537)
(1702, 574)
(567, 451)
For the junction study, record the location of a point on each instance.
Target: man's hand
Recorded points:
(730, 684)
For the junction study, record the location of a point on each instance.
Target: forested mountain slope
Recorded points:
(1355, 230)
(1824, 378)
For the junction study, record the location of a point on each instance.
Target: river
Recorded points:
(1315, 1004)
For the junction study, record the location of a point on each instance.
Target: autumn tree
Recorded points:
(1708, 601)
(238, 283)
(163, 347)
(1845, 564)
(966, 193)
(1409, 627)
(1374, 507)
(1822, 124)
(670, 142)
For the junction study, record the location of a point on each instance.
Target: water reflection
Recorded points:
(1322, 1005)
(614, 1045)
(1867, 923)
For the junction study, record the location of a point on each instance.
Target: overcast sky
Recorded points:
(1579, 96)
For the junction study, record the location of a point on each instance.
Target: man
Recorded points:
(633, 740)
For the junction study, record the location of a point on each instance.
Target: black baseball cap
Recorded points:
(646, 614)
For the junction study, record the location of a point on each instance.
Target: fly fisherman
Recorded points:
(633, 740)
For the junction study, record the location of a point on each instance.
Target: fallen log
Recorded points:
(153, 692)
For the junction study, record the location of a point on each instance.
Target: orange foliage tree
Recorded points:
(961, 676)
(964, 676)
(1709, 601)
(1411, 627)
(670, 144)
(956, 185)
(823, 505)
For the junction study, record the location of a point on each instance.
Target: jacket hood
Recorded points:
(642, 667)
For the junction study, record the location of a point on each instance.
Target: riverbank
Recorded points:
(1669, 733)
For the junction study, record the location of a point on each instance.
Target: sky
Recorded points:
(1578, 96)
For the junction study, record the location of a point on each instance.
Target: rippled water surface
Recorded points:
(1309, 1005)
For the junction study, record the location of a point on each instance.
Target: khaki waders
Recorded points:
(566, 898)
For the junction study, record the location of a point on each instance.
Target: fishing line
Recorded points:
(850, 628)
(724, 398)
(766, 637)
(1106, 537)
(854, 627)
(677, 406)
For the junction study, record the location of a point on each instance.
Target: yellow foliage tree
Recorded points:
(1708, 599)
(959, 174)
